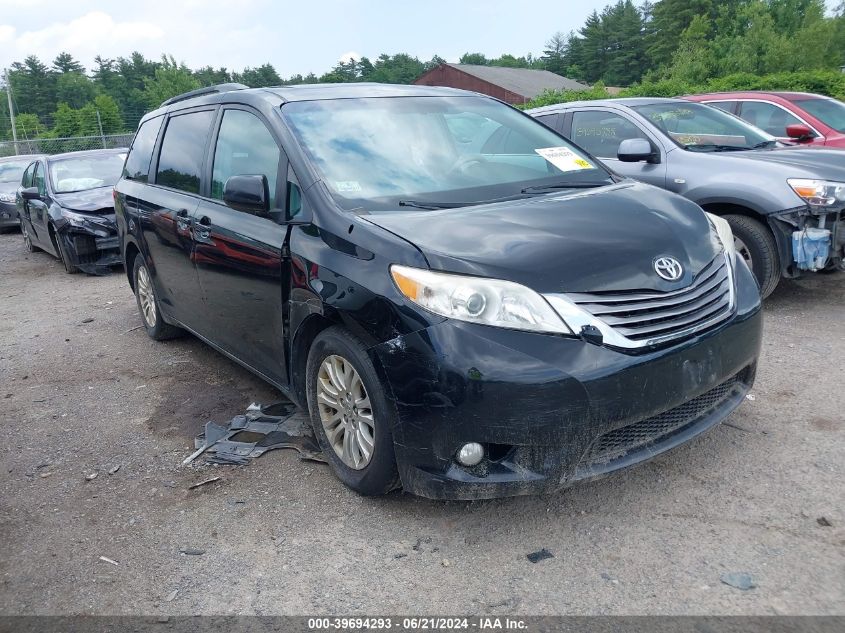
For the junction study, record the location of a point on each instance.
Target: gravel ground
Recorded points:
(82, 392)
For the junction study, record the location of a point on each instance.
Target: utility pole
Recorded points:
(100, 123)
(12, 112)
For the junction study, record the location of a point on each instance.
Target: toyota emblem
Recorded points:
(669, 268)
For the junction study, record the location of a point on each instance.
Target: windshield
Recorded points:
(429, 152)
(86, 172)
(698, 127)
(829, 111)
(12, 171)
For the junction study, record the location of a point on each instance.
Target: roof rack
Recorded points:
(204, 91)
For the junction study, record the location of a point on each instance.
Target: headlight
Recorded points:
(75, 219)
(7, 197)
(724, 233)
(478, 300)
(818, 193)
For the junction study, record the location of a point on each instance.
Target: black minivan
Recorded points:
(468, 305)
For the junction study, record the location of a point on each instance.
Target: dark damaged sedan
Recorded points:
(66, 207)
(468, 305)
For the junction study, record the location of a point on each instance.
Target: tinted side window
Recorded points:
(768, 117)
(137, 165)
(26, 179)
(182, 150)
(38, 179)
(245, 147)
(550, 120)
(601, 133)
(727, 106)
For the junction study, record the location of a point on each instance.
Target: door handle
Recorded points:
(203, 226)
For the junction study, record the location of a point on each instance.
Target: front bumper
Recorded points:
(93, 248)
(554, 410)
(8, 215)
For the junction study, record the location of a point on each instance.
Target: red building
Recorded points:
(512, 85)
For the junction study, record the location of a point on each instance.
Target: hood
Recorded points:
(9, 187)
(97, 200)
(798, 162)
(590, 241)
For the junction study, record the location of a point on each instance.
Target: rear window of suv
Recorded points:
(137, 165)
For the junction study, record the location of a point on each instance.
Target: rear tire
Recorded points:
(365, 422)
(756, 244)
(147, 301)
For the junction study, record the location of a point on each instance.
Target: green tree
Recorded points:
(33, 87)
(554, 55)
(65, 121)
(170, 79)
(29, 126)
(74, 89)
(260, 77)
(208, 76)
(670, 18)
(65, 63)
(478, 59)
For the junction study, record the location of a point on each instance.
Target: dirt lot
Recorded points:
(81, 392)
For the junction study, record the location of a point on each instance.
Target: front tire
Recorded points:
(27, 240)
(147, 301)
(756, 244)
(350, 414)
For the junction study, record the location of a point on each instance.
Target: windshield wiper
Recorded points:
(764, 144)
(713, 147)
(565, 185)
(431, 205)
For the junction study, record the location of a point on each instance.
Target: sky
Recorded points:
(296, 37)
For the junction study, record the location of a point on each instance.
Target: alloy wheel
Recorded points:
(146, 297)
(742, 249)
(345, 412)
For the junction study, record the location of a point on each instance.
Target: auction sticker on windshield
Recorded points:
(564, 158)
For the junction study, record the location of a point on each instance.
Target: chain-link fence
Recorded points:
(61, 145)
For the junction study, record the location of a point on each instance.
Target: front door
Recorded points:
(167, 211)
(239, 254)
(36, 210)
(600, 132)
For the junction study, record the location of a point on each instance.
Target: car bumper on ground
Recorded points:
(8, 215)
(553, 410)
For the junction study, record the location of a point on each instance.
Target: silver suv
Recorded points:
(784, 204)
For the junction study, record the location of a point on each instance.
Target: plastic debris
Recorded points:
(738, 580)
(91, 476)
(824, 522)
(258, 430)
(536, 557)
(192, 551)
(109, 560)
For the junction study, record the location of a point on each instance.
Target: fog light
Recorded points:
(471, 454)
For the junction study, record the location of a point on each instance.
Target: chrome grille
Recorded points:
(652, 316)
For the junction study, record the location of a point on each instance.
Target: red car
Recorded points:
(797, 117)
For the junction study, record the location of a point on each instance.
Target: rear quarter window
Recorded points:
(182, 151)
(137, 165)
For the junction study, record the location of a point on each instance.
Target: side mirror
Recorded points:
(799, 132)
(247, 193)
(30, 193)
(634, 150)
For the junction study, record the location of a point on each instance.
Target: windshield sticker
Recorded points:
(347, 186)
(564, 158)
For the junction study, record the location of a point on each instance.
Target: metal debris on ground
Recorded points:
(536, 557)
(260, 429)
(191, 551)
(202, 483)
(109, 560)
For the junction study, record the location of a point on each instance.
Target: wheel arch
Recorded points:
(308, 330)
(130, 252)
